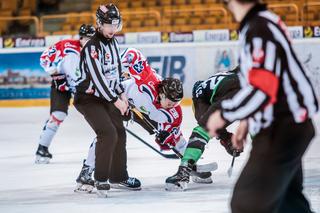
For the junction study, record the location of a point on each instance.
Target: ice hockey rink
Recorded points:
(26, 187)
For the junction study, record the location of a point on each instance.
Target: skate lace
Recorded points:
(184, 172)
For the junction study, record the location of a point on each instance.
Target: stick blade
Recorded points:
(209, 167)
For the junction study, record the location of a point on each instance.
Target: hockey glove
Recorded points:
(60, 83)
(225, 140)
(165, 140)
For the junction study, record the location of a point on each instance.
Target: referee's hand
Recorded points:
(121, 105)
(214, 123)
(239, 138)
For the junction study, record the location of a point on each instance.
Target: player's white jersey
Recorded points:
(143, 101)
(63, 58)
(142, 89)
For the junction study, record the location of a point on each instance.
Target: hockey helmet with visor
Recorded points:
(109, 16)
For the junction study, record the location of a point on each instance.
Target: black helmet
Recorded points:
(109, 14)
(86, 30)
(172, 89)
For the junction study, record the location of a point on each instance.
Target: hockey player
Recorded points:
(206, 96)
(61, 61)
(157, 99)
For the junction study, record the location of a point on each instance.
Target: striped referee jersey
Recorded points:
(274, 83)
(100, 66)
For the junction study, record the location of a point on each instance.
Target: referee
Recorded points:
(276, 103)
(101, 100)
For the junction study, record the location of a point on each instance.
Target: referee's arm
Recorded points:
(119, 89)
(94, 68)
(262, 79)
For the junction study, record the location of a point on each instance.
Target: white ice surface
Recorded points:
(26, 187)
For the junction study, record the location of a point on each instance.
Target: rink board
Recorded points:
(187, 61)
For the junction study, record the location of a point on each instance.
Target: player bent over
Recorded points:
(61, 61)
(206, 96)
(157, 99)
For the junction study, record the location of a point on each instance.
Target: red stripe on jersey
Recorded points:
(266, 81)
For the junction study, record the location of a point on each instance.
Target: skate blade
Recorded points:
(83, 188)
(182, 186)
(201, 180)
(102, 193)
(42, 160)
(119, 186)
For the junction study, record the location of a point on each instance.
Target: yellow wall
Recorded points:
(46, 102)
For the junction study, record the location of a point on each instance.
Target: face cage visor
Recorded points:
(114, 27)
(172, 94)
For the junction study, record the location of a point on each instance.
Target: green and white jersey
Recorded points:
(207, 89)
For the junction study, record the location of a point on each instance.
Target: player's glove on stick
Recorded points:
(225, 140)
(164, 139)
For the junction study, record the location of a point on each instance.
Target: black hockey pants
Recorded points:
(59, 101)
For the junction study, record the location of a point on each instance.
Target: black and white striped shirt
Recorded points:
(274, 83)
(100, 66)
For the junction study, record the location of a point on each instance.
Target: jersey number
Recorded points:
(174, 113)
(199, 91)
(138, 67)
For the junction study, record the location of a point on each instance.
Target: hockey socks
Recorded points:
(191, 154)
(198, 139)
(51, 127)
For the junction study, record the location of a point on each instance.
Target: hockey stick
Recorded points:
(232, 163)
(169, 156)
(199, 168)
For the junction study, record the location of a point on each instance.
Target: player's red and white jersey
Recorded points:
(63, 58)
(142, 89)
(173, 126)
(136, 66)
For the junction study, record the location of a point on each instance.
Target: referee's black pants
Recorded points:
(272, 180)
(105, 119)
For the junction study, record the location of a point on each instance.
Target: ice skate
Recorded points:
(84, 181)
(43, 156)
(102, 188)
(179, 181)
(129, 184)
